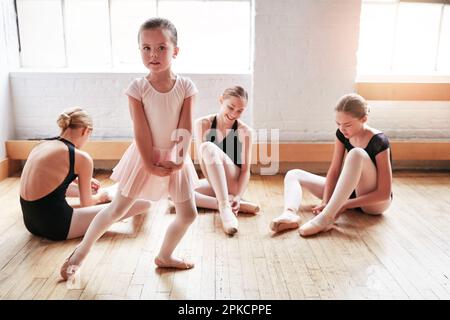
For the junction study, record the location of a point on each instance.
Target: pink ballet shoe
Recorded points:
(69, 271)
(312, 227)
(229, 224)
(249, 208)
(285, 223)
(183, 264)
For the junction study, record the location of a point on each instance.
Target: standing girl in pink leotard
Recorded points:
(155, 165)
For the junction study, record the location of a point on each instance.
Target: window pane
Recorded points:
(41, 33)
(376, 38)
(87, 33)
(126, 18)
(443, 64)
(213, 36)
(417, 38)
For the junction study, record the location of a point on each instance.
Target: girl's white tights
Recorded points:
(205, 198)
(120, 208)
(214, 164)
(358, 173)
(186, 212)
(294, 181)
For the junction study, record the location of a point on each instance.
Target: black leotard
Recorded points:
(231, 144)
(378, 143)
(50, 216)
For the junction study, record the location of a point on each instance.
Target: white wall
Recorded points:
(8, 48)
(40, 97)
(305, 59)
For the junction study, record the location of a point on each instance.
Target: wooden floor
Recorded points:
(404, 254)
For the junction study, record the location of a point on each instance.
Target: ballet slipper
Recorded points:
(229, 221)
(285, 221)
(174, 264)
(315, 226)
(69, 271)
(248, 207)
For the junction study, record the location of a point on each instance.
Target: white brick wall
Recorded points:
(305, 59)
(39, 98)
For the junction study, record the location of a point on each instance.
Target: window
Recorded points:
(214, 36)
(404, 38)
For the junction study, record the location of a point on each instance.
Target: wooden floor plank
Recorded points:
(404, 254)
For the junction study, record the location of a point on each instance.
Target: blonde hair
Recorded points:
(353, 104)
(235, 91)
(74, 118)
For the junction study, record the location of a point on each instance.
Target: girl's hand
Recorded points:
(318, 209)
(160, 171)
(101, 197)
(235, 204)
(95, 185)
(171, 165)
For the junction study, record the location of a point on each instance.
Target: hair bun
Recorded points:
(63, 121)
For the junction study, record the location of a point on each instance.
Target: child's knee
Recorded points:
(189, 216)
(186, 211)
(208, 150)
(357, 153)
(293, 175)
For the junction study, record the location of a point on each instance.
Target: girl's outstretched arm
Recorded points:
(84, 167)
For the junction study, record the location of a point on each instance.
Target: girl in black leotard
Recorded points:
(363, 180)
(56, 168)
(224, 144)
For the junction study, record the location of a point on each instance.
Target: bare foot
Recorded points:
(174, 263)
(287, 220)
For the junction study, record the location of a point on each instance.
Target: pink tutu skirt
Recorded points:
(135, 182)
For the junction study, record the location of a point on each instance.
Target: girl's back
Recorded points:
(46, 168)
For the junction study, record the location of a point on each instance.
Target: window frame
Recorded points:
(118, 67)
(390, 76)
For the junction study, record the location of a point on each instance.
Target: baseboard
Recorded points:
(9, 167)
(314, 154)
(4, 169)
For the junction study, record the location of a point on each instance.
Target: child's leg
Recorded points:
(74, 191)
(357, 173)
(205, 198)
(99, 225)
(82, 217)
(294, 181)
(186, 212)
(220, 172)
